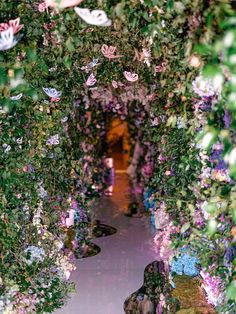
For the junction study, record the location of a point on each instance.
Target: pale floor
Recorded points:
(107, 279)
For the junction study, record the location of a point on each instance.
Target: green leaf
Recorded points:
(185, 227)
(231, 291)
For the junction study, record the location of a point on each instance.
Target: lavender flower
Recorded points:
(213, 287)
(53, 140)
(227, 119)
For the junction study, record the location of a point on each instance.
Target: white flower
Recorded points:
(232, 59)
(163, 23)
(181, 123)
(89, 66)
(206, 87)
(228, 39)
(217, 81)
(6, 148)
(19, 140)
(231, 157)
(42, 192)
(53, 140)
(95, 17)
(8, 40)
(37, 215)
(207, 139)
(65, 119)
(16, 81)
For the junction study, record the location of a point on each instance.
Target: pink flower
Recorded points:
(131, 77)
(43, 6)
(109, 52)
(163, 242)
(14, 24)
(91, 80)
(161, 67)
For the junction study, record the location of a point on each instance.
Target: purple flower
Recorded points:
(53, 140)
(213, 287)
(227, 119)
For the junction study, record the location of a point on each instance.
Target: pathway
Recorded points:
(104, 281)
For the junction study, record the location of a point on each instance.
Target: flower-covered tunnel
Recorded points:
(118, 156)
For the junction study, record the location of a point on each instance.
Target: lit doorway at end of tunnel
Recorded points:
(118, 140)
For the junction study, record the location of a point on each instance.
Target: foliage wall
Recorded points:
(48, 164)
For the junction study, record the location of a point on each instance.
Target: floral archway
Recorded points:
(61, 68)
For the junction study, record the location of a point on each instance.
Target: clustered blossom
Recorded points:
(204, 87)
(42, 193)
(161, 216)
(185, 264)
(213, 169)
(120, 103)
(213, 287)
(163, 242)
(35, 254)
(22, 304)
(53, 140)
(65, 266)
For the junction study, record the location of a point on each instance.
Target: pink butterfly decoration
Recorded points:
(131, 77)
(116, 84)
(91, 80)
(54, 99)
(14, 24)
(109, 52)
(161, 67)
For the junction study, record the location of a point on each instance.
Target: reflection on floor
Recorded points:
(154, 293)
(104, 281)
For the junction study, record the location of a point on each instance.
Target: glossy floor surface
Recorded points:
(104, 281)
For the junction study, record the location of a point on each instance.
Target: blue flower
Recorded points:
(185, 264)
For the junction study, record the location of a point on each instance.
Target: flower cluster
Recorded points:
(213, 287)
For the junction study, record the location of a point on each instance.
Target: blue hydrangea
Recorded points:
(185, 264)
(35, 254)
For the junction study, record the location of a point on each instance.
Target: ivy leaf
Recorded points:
(185, 227)
(231, 291)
